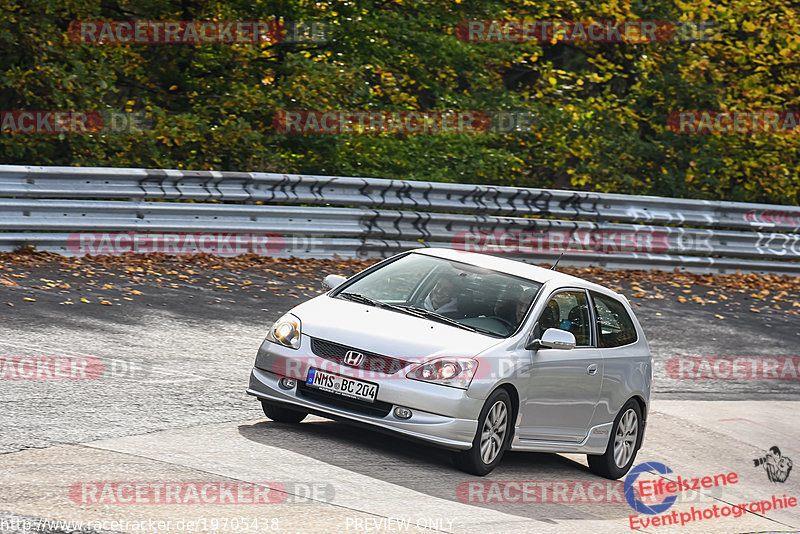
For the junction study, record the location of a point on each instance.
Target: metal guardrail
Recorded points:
(51, 207)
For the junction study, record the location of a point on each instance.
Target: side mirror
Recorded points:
(333, 280)
(553, 338)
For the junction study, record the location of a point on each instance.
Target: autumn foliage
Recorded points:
(600, 108)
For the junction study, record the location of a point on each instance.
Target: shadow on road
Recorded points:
(428, 470)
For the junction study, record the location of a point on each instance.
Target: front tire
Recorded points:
(491, 439)
(624, 443)
(282, 414)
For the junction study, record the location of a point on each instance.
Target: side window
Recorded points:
(614, 325)
(568, 311)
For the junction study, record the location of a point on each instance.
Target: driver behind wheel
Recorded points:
(442, 298)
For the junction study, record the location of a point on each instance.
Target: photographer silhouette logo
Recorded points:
(777, 467)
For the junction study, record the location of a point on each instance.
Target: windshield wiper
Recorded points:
(411, 310)
(363, 299)
(427, 314)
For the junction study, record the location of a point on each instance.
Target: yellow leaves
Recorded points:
(28, 299)
(681, 299)
(105, 303)
(135, 292)
(755, 310)
(84, 300)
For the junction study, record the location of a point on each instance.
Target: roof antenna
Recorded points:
(553, 268)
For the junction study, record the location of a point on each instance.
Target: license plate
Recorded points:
(342, 385)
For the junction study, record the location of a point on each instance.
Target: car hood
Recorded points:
(387, 332)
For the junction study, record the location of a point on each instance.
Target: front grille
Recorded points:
(335, 352)
(376, 408)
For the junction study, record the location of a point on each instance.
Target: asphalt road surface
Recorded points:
(177, 345)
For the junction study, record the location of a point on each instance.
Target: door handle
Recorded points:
(592, 369)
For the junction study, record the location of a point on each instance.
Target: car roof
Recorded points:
(514, 267)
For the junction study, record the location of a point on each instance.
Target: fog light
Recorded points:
(287, 383)
(402, 413)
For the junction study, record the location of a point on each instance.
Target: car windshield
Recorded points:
(442, 290)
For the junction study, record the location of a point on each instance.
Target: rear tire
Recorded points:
(623, 444)
(491, 438)
(282, 414)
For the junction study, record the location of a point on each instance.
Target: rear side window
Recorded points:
(614, 325)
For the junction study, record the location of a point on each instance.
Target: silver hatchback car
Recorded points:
(469, 352)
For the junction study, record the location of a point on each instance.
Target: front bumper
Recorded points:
(452, 429)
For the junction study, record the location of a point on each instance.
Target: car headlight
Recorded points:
(286, 331)
(453, 372)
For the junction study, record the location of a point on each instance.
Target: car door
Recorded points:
(626, 357)
(564, 385)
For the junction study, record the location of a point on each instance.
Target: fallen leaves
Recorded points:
(253, 275)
